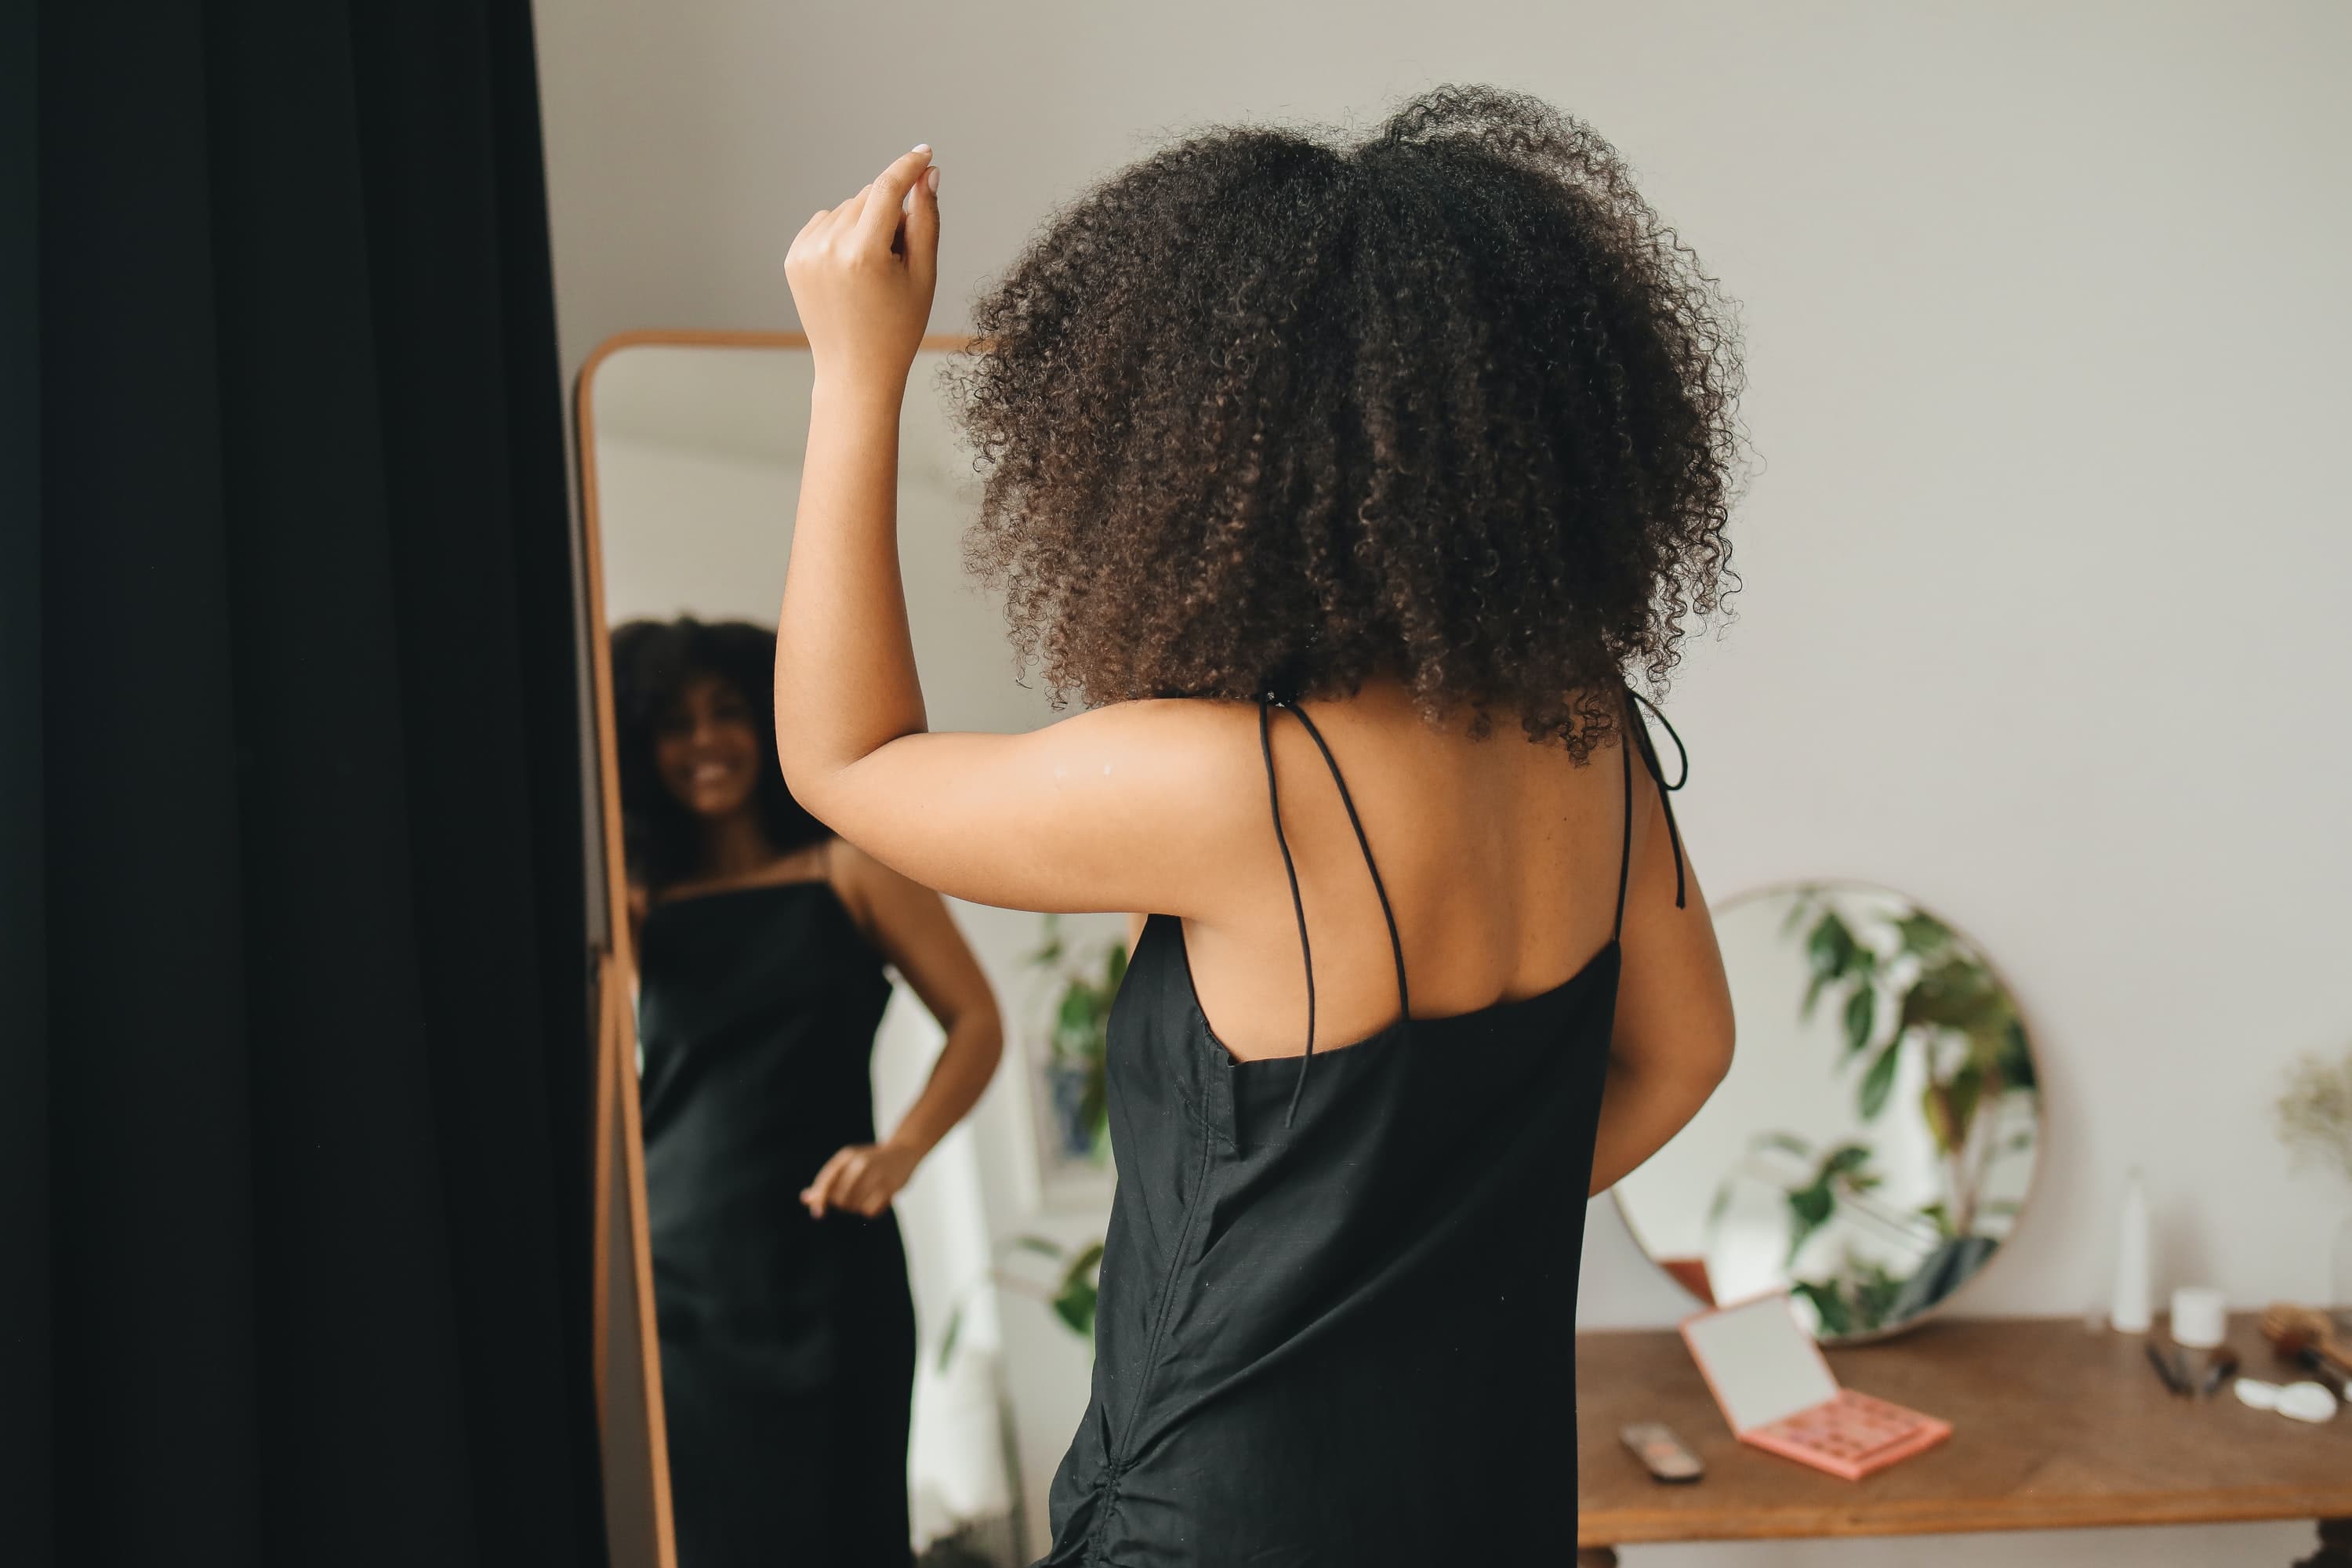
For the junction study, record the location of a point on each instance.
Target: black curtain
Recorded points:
(290, 881)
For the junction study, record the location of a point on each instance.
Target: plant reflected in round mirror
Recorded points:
(1877, 1135)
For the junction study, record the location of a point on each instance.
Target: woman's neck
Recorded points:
(734, 845)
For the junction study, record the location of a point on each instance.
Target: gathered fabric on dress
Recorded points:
(1338, 1311)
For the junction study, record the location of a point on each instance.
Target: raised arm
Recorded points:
(1115, 809)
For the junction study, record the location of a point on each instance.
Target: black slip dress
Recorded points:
(787, 1343)
(1337, 1325)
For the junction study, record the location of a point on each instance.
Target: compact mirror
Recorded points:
(1878, 1133)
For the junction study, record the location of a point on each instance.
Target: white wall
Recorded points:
(2046, 339)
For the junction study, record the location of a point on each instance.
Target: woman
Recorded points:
(787, 1332)
(1344, 479)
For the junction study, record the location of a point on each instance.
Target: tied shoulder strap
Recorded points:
(1665, 793)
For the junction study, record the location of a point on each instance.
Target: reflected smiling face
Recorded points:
(706, 750)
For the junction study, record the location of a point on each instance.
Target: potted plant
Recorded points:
(1928, 993)
(2314, 1114)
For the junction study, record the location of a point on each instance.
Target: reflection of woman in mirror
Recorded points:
(787, 1332)
(1345, 480)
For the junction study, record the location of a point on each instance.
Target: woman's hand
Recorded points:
(862, 275)
(862, 1178)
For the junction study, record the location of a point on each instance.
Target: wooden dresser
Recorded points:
(2055, 1426)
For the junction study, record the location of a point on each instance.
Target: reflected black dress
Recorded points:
(787, 1343)
(1338, 1319)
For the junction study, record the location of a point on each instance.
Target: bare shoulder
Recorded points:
(856, 877)
(851, 870)
(1186, 743)
(878, 896)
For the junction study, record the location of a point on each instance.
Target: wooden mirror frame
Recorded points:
(619, 1159)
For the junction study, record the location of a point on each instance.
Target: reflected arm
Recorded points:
(918, 936)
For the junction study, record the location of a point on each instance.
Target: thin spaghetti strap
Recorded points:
(1396, 944)
(1625, 848)
(1297, 904)
(1649, 760)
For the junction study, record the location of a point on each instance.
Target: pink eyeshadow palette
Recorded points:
(1777, 1392)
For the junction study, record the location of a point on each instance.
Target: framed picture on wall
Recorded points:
(1064, 1038)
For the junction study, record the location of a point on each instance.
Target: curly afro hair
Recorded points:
(653, 661)
(1280, 410)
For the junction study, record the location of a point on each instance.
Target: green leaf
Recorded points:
(1049, 952)
(1829, 953)
(1093, 1105)
(1966, 1094)
(1788, 1143)
(1722, 1201)
(1955, 993)
(1874, 1296)
(1812, 995)
(1037, 1243)
(1809, 1209)
(948, 1339)
(1938, 1212)
(1845, 1157)
(1880, 1080)
(1860, 1019)
(1075, 1306)
(1076, 1302)
(2016, 1057)
(1827, 1306)
(1931, 1111)
(1923, 933)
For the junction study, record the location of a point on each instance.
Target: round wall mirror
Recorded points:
(1877, 1135)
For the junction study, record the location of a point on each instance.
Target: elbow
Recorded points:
(1720, 1043)
(815, 774)
(1688, 1067)
(807, 785)
(814, 780)
(979, 1033)
(1709, 1060)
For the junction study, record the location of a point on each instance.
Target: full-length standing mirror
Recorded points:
(764, 1401)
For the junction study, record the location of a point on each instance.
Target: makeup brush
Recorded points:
(2292, 1329)
(2322, 1371)
(2170, 1368)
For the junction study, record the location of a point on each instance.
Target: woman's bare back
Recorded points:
(1499, 857)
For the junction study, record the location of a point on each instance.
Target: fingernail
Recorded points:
(922, 146)
(932, 180)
